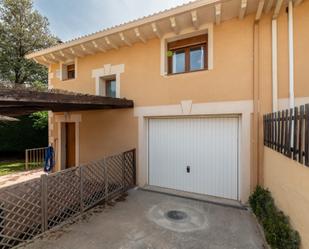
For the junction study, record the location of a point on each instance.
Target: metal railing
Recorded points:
(30, 208)
(35, 158)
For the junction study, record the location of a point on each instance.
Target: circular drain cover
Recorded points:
(176, 215)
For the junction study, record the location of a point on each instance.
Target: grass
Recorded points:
(13, 167)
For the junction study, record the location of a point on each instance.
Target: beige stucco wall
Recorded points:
(108, 132)
(143, 83)
(288, 182)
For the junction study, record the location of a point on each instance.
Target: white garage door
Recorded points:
(197, 155)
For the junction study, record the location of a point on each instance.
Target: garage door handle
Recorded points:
(188, 169)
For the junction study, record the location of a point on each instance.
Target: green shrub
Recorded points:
(277, 228)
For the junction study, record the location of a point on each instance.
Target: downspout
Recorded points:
(256, 174)
(291, 55)
(274, 41)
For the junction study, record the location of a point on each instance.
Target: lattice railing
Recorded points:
(30, 208)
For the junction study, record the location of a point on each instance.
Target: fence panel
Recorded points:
(93, 183)
(287, 132)
(20, 213)
(114, 169)
(30, 208)
(63, 196)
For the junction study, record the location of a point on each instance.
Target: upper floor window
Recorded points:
(68, 71)
(187, 55)
(71, 71)
(110, 88)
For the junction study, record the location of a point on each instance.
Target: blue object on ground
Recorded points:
(49, 159)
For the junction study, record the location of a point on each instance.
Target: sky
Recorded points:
(70, 19)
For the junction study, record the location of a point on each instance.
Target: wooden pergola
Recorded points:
(17, 102)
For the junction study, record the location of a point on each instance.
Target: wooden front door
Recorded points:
(70, 145)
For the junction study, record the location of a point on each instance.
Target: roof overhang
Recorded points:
(193, 14)
(17, 102)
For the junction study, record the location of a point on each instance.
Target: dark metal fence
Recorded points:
(30, 208)
(287, 132)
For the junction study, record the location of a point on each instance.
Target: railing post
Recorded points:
(123, 172)
(81, 189)
(134, 167)
(105, 180)
(26, 159)
(44, 202)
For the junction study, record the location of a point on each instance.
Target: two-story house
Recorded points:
(201, 75)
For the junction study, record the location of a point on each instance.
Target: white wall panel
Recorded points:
(209, 145)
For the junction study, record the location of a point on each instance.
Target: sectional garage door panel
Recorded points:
(197, 155)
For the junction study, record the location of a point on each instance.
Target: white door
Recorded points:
(197, 155)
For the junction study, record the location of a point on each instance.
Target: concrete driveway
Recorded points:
(144, 221)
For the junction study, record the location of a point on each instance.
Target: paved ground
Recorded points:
(140, 222)
(11, 179)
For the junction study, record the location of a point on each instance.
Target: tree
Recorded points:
(22, 30)
(40, 120)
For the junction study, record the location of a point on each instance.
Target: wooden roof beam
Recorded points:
(243, 8)
(174, 25)
(75, 52)
(125, 40)
(111, 44)
(277, 8)
(156, 30)
(56, 57)
(195, 20)
(259, 10)
(97, 46)
(268, 6)
(48, 60)
(86, 49)
(218, 13)
(297, 2)
(139, 35)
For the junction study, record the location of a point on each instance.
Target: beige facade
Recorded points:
(239, 81)
(288, 183)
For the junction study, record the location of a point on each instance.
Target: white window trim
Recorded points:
(186, 33)
(107, 71)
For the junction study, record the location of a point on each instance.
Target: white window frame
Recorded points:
(186, 33)
(106, 72)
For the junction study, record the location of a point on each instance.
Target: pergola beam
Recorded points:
(14, 102)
